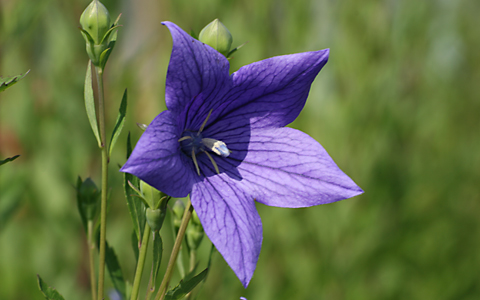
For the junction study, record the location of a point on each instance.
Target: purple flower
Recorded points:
(223, 141)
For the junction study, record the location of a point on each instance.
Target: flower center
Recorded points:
(193, 143)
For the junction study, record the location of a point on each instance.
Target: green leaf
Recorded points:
(8, 159)
(114, 270)
(48, 292)
(183, 288)
(135, 204)
(135, 245)
(79, 206)
(119, 123)
(157, 255)
(113, 267)
(7, 82)
(90, 103)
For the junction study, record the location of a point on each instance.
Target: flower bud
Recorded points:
(217, 36)
(88, 196)
(178, 211)
(194, 232)
(155, 218)
(95, 20)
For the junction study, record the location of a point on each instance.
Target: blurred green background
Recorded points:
(397, 107)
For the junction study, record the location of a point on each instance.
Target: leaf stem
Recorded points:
(141, 262)
(91, 253)
(176, 248)
(103, 211)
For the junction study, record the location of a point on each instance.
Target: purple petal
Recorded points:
(285, 167)
(157, 158)
(231, 221)
(197, 75)
(271, 92)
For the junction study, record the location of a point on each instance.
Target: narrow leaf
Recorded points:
(48, 292)
(135, 205)
(113, 267)
(157, 255)
(7, 82)
(183, 288)
(90, 103)
(135, 245)
(79, 204)
(119, 123)
(114, 270)
(8, 159)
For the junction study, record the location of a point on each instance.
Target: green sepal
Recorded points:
(7, 82)
(193, 34)
(157, 255)
(235, 49)
(86, 36)
(9, 159)
(111, 37)
(111, 32)
(48, 292)
(136, 208)
(113, 267)
(119, 123)
(185, 287)
(90, 103)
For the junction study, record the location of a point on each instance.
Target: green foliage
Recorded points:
(185, 286)
(113, 267)
(136, 207)
(48, 292)
(9, 81)
(90, 103)
(9, 159)
(119, 123)
(157, 255)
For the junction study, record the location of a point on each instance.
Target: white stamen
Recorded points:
(218, 147)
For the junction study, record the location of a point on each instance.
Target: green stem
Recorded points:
(103, 212)
(141, 262)
(176, 248)
(91, 253)
(151, 287)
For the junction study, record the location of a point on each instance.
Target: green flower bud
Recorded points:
(155, 218)
(88, 196)
(99, 34)
(151, 195)
(178, 211)
(217, 36)
(194, 233)
(95, 20)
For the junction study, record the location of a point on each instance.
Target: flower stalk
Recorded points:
(141, 262)
(176, 249)
(103, 209)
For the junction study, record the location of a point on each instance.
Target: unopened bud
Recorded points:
(194, 232)
(155, 218)
(95, 20)
(88, 196)
(217, 36)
